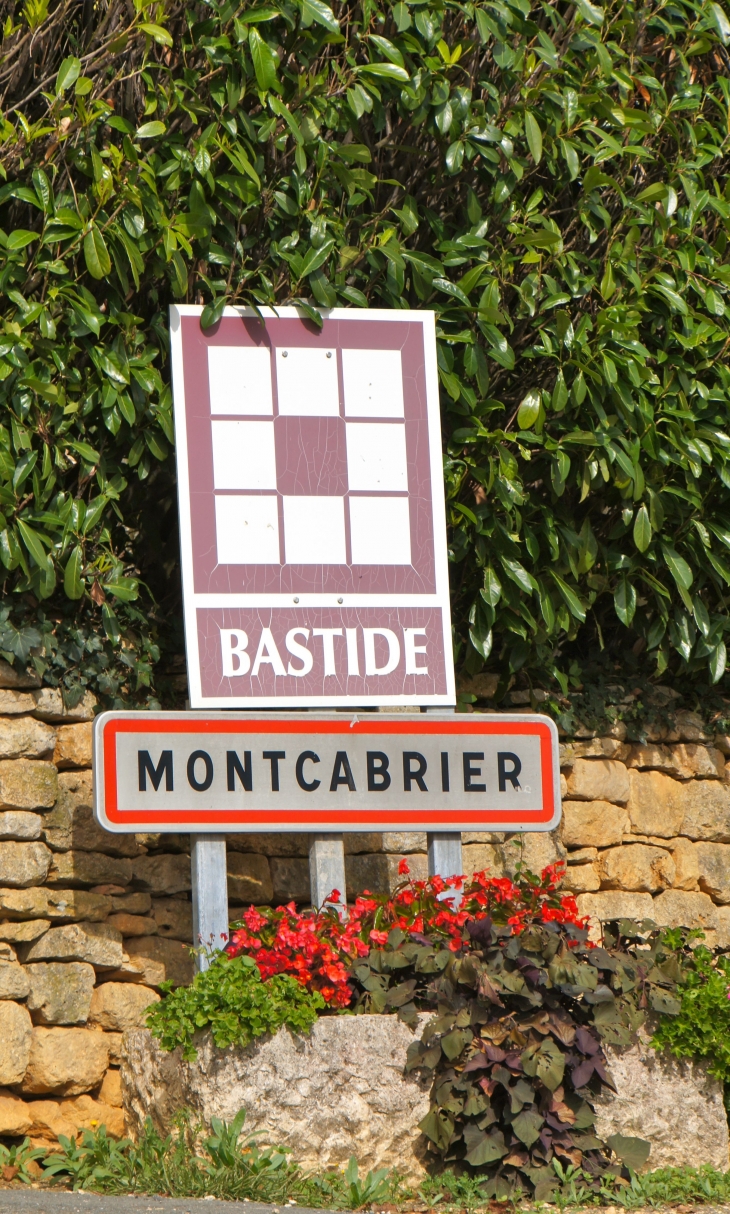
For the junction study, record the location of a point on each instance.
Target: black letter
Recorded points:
(342, 772)
(512, 774)
(444, 771)
(200, 785)
(306, 754)
(470, 771)
(408, 775)
(273, 756)
(234, 768)
(155, 773)
(378, 766)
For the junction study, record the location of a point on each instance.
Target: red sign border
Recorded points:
(336, 819)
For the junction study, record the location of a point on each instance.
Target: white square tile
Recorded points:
(314, 530)
(239, 378)
(373, 383)
(380, 531)
(307, 382)
(376, 456)
(247, 530)
(243, 455)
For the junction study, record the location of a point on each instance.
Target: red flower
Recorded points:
(403, 867)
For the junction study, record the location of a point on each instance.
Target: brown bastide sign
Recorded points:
(312, 509)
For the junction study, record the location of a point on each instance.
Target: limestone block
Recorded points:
(7, 952)
(162, 874)
(648, 755)
(71, 826)
(66, 1061)
(133, 925)
(114, 1041)
(479, 836)
(594, 748)
(483, 685)
(25, 784)
(409, 841)
(14, 703)
(23, 864)
(15, 1041)
(19, 824)
(607, 905)
(722, 930)
(274, 844)
(73, 746)
(173, 955)
(722, 742)
(379, 874)
(657, 803)
(598, 780)
(78, 868)
(597, 823)
(480, 857)
(563, 787)
(336, 1092)
(707, 811)
(686, 865)
(133, 904)
(357, 842)
(713, 861)
(61, 905)
(584, 855)
(688, 727)
(110, 1091)
(60, 991)
(85, 1113)
(174, 918)
(675, 908)
(638, 867)
(49, 706)
(675, 1105)
(695, 760)
(290, 879)
(138, 969)
(23, 933)
(96, 943)
(15, 1115)
(581, 879)
(536, 849)
(26, 738)
(249, 878)
(14, 982)
(16, 677)
(118, 1006)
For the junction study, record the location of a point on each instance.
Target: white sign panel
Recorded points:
(312, 511)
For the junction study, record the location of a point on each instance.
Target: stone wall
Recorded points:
(91, 923)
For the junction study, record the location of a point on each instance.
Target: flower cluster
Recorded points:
(319, 949)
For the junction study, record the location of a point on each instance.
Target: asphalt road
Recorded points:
(41, 1201)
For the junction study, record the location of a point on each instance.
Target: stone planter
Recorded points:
(341, 1091)
(338, 1092)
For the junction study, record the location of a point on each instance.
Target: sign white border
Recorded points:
(192, 600)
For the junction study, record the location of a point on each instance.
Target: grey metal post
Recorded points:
(444, 854)
(327, 869)
(210, 894)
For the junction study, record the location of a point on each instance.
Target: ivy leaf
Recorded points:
(96, 254)
(634, 1152)
(483, 1148)
(527, 1126)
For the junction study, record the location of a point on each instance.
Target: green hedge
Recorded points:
(549, 177)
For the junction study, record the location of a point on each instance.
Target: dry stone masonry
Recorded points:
(91, 923)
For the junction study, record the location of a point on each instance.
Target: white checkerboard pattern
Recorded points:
(372, 519)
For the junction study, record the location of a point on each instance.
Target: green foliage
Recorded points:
(14, 1160)
(227, 1166)
(515, 1044)
(552, 183)
(230, 999)
(702, 1027)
